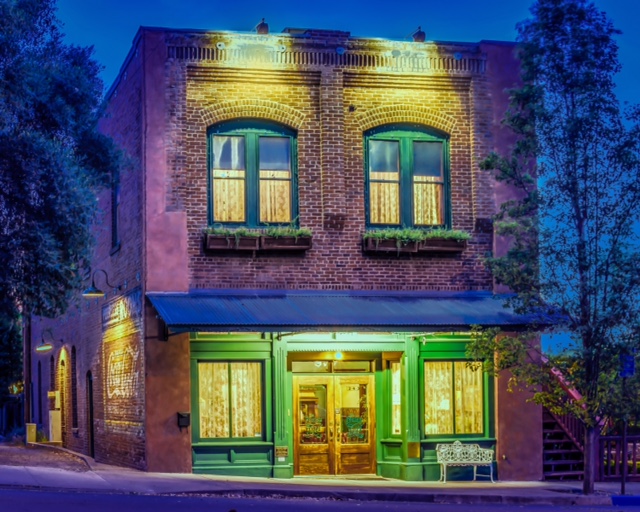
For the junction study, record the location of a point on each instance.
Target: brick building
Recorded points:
(229, 353)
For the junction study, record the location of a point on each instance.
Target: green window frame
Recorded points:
(407, 177)
(252, 174)
(231, 401)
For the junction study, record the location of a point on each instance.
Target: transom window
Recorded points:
(252, 174)
(407, 177)
(453, 398)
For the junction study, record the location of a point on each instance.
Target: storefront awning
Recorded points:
(298, 311)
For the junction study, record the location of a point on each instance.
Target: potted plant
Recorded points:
(219, 238)
(285, 238)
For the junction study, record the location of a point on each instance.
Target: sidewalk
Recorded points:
(104, 478)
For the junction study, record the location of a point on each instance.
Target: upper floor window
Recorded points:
(252, 172)
(407, 175)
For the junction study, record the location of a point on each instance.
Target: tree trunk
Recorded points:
(590, 459)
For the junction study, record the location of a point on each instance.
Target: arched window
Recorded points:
(252, 174)
(74, 390)
(407, 177)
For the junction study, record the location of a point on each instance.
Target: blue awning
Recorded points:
(297, 311)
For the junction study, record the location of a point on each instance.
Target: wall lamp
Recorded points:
(46, 346)
(96, 293)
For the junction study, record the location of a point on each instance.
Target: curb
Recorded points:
(413, 497)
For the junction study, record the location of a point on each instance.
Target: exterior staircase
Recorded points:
(562, 453)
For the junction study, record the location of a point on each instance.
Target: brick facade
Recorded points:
(329, 88)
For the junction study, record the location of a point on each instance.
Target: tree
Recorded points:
(52, 161)
(574, 227)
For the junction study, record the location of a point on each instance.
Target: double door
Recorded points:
(334, 424)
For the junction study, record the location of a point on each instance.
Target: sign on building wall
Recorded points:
(122, 359)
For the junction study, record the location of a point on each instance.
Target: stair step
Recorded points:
(564, 474)
(562, 462)
(571, 451)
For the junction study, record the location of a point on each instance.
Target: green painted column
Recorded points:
(411, 404)
(282, 456)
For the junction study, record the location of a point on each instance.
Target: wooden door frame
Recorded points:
(334, 444)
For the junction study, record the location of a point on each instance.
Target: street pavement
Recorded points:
(106, 478)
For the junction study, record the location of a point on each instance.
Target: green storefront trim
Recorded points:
(409, 456)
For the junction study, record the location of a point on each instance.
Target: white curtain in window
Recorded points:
(246, 399)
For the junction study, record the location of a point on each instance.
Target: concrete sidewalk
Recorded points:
(104, 478)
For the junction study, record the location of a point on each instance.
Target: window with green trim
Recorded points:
(252, 174)
(453, 398)
(407, 177)
(230, 400)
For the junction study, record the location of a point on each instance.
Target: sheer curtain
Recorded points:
(438, 397)
(469, 403)
(213, 381)
(229, 174)
(246, 399)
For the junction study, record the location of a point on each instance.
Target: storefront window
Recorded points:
(230, 400)
(453, 398)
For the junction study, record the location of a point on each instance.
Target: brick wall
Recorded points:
(331, 101)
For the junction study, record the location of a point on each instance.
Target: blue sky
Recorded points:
(110, 25)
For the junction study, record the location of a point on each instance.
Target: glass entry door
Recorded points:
(334, 424)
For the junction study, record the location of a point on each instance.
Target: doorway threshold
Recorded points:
(342, 477)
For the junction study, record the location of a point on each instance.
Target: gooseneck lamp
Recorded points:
(94, 292)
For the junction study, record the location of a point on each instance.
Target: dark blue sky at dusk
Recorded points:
(110, 25)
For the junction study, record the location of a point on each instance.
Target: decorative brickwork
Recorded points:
(250, 108)
(405, 113)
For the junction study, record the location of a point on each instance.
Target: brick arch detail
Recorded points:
(258, 109)
(389, 114)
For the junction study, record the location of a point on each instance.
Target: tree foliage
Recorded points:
(52, 158)
(574, 226)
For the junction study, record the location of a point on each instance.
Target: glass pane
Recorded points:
(227, 152)
(213, 382)
(469, 406)
(384, 203)
(384, 156)
(396, 399)
(427, 204)
(275, 153)
(246, 399)
(228, 198)
(275, 200)
(312, 414)
(352, 366)
(354, 414)
(427, 159)
(438, 398)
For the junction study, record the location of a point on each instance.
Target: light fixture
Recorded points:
(339, 356)
(419, 36)
(95, 293)
(262, 27)
(46, 346)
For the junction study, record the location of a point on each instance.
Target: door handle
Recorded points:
(330, 433)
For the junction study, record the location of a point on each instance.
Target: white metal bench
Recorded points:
(458, 454)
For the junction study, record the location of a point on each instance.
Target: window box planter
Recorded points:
(389, 245)
(214, 242)
(442, 245)
(285, 243)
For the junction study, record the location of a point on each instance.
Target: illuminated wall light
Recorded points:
(339, 356)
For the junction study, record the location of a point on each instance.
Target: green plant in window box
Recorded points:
(286, 238)
(221, 238)
(414, 240)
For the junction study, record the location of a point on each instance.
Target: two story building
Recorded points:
(255, 320)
